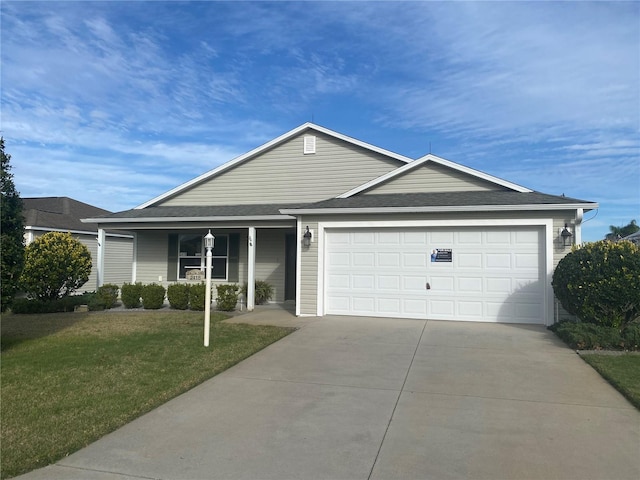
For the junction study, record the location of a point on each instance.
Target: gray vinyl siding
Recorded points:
(284, 175)
(152, 256)
(118, 260)
(433, 178)
(270, 260)
(309, 258)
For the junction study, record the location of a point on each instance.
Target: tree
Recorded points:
(55, 265)
(11, 233)
(616, 233)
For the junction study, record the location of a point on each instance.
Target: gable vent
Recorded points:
(309, 144)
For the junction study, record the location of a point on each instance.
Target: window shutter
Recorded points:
(172, 258)
(233, 264)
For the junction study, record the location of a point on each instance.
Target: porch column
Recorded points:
(251, 275)
(101, 248)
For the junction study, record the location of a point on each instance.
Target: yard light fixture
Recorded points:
(306, 238)
(209, 241)
(566, 236)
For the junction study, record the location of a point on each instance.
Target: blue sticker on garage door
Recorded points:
(442, 255)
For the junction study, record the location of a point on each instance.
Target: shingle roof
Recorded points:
(201, 211)
(60, 213)
(445, 199)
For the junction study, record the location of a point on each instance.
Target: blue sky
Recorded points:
(114, 103)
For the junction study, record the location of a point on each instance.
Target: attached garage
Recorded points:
(491, 274)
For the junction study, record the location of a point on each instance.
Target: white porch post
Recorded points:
(251, 275)
(101, 248)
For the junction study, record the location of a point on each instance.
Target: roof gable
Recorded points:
(390, 160)
(476, 178)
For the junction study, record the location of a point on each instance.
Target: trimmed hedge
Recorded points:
(66, 304)
(589, 336)
(178, 295)
(130, 295)
(600, 283)
(153, 296)
(197, 296)
(106, 297)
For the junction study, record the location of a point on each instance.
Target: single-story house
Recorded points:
(111, 251)
(340, 226)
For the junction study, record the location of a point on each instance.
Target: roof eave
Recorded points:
(439, 208)
(189, 219)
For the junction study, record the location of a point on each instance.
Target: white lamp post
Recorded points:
(208, 243)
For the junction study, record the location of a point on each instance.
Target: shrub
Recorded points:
(56, 264)
(227, 297)
(631, 336)
(197, 296)
(130, 295)
(67, 304)
(588, 336)
(263, 293)
(153, 296)
(600, 283)
(178, 296)
(106, 296)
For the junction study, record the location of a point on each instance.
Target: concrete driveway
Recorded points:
(368, 398)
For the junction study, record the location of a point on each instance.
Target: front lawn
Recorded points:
(70, 378)
(621, 371)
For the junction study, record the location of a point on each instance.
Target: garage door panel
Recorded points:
(495, 273)
(469, 260)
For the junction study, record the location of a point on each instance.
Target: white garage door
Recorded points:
(473, 274)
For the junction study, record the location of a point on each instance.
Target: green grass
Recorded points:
(621, 371)
(70, 378)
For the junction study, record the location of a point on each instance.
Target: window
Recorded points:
(192, 255)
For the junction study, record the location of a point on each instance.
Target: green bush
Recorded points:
(178, 295)
(153, 296)
(263, 293)
(600, 283)
(197, 296)
(55, 265)
(106, 296)
(588, 336)
(227, 297)
(66, 304)
(631, 336)
(130, 295)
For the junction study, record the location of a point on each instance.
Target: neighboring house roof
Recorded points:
(442, 201)
(634, 237)
(267, 146)
(60, 214)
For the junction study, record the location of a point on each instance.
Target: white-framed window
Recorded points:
(192, 255)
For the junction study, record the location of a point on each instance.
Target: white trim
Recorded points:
(298, 263)
(251, 269)
(134, 263)
(440, 161)
(102, 247)
(75, 232)
(256, 151)
(439, 208)
(546, 223)
(246, 218)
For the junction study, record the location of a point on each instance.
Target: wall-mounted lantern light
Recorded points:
(306, 238)
(566, 235)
